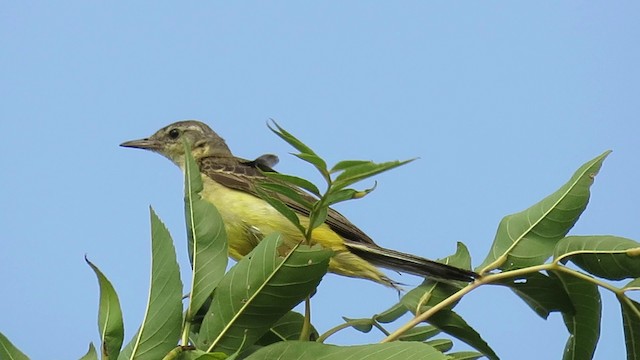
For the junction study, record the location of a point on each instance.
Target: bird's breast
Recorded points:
(247, 218)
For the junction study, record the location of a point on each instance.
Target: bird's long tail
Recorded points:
(411, 264)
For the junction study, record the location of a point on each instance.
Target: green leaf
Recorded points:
(631, 324)
(528, 238)
(160, 329)
(584, 323)
(542, 293)
(336, 196)
(426, 295)
(295, 181)
(461, 258)
(420, 333)
(258, 291)
(365, 170)
(306, 153)
(392, 314)
(288, 137)
(609, 257)
(213, 356)
(431, 292)
(286, 328)
(287, 191)
(91, 353)
(363, 325)
(201, 355)
(8, 351)
(207, 238)
(110, 323)
(464, 355)
(346, 164)
(442, 345)
(282, 208)
(192, 177)
(319, 216)
(452, 324)
(305, 350)
(316, 161)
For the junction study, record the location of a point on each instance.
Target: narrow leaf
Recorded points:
(305, 350)
(347, 194)
(542, 293)
(363, 325)
(420, 333)
(286, 328)
(631, 324)
(392, 314)
(306, 153)
(91, 354)
(288, 137)
(461, 258)
(316, 161)
(295, 181)
(110, 323)
(282, 208)
(319, 215)
(452, 324)
(346, 164)
(584, 323)
(528, 238)
(431, 292)
(160, 329)
(9, 351)
(426, 295)
(207, 238)
(258, 291)
(360, 172)
(609, 257)
(442, 345)
(272, 189)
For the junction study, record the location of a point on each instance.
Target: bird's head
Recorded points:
(168, 141)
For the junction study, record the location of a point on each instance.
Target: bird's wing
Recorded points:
(239, 174)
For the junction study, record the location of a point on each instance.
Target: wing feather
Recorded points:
(239, 174)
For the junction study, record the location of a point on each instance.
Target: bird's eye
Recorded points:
(174, 133)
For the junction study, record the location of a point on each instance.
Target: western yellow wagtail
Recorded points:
(230, 184)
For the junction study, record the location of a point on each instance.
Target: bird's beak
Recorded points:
(147, 144)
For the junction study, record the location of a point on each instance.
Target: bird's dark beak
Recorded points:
(147, 144)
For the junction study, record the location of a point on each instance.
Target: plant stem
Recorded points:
(305, 333)
(351, 323)
(425, 315)
(488, 279)
(332, 331)
(185, 332)
(173, 354)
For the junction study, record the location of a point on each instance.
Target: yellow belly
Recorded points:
(248, 218)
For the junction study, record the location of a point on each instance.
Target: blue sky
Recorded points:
(501, 101)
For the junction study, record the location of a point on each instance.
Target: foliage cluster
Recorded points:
(247, 312)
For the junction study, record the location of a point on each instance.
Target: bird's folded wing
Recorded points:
(243, 175)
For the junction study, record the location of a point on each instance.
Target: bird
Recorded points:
(230, 184)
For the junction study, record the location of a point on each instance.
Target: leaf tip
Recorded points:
(271, 123)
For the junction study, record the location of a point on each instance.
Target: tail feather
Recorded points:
(411, 264)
